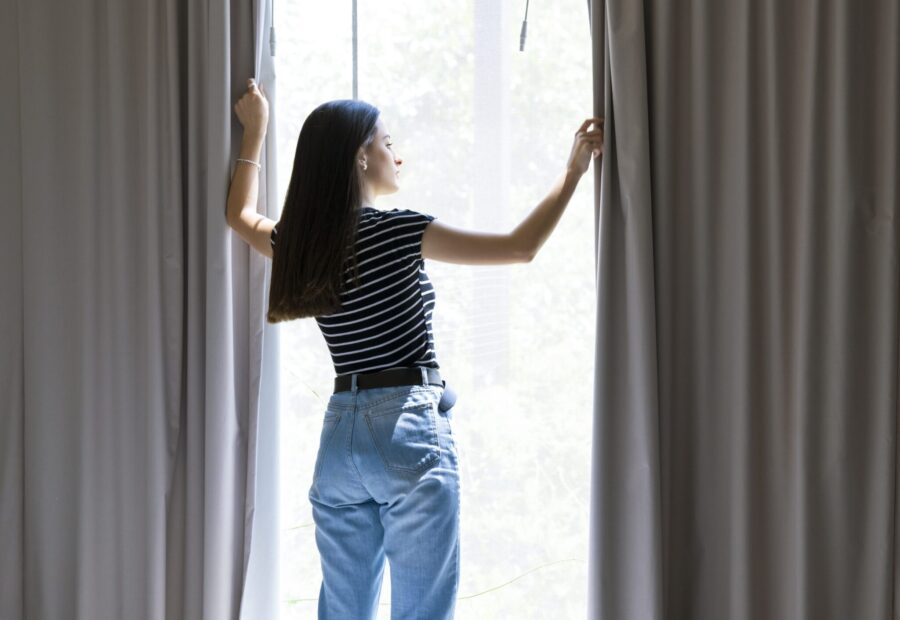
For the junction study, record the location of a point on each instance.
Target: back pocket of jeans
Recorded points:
(329, 426)
(405, 435)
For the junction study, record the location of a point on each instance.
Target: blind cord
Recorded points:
(524, 28)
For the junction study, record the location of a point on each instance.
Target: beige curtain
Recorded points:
(745, 431)
(132, 317)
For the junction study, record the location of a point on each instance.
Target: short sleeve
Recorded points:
(273, 235)
(407, 228)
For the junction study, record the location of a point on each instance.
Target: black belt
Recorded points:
(389, 378)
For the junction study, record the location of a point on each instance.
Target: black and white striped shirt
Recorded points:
(386, 321)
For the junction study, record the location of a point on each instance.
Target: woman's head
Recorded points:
(380, 165)
(317, 228)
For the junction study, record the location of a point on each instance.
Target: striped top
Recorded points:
(386, 321)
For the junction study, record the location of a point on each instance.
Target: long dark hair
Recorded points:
(318, 226)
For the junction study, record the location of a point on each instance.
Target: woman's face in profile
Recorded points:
(382, 172)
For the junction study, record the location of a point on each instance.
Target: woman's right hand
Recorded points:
(586, 143)
(252, 109)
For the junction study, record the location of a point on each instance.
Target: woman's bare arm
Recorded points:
(240, 209)
(453, 245)
(442, 242)
(450, 244)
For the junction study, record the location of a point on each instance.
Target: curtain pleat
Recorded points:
(12, 395)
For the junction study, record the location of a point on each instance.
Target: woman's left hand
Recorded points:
(252, 109)
(586, 144)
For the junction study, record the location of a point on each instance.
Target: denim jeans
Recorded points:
(386, 485)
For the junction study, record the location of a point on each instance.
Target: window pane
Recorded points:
(483, 130)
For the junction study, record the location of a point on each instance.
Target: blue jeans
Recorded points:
(386, 484)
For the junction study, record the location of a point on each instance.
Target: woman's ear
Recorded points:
(361, 157)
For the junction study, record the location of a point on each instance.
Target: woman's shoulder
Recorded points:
(398, 214)
(369, 210)
(399, 220)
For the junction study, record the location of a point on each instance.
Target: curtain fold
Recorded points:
(262, 596)
(625, 559)
(744, 461)
(132, 340)
(12, 393)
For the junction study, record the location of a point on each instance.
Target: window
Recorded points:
(483, 130)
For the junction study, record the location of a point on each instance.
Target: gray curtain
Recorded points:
(132, 316)
(746, 398)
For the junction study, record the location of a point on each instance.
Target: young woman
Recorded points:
(386, 481)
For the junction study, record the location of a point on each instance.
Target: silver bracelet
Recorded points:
(248, 161)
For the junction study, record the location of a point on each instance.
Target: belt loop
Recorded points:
(424, 375)
(353, 387)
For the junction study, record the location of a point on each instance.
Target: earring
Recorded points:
(364, 167)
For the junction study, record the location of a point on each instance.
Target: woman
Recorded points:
(386, 481)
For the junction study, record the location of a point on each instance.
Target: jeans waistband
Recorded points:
(416, 375)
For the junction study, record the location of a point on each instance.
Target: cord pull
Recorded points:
(525, 28)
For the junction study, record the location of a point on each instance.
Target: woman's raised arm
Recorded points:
(453, 245)
(240, 209)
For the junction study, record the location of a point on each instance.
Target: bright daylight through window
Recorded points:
(483, 130)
